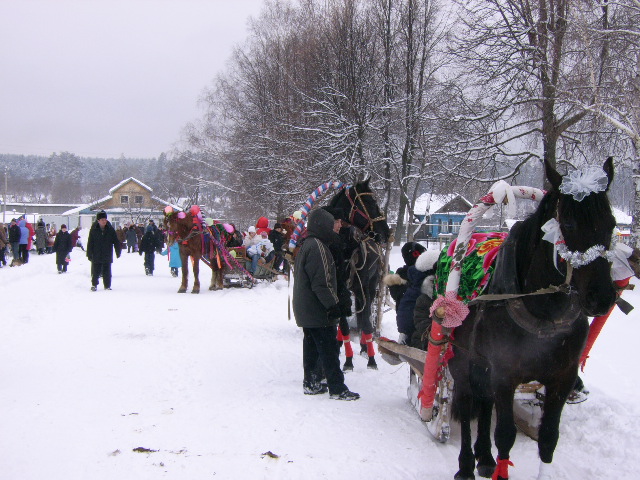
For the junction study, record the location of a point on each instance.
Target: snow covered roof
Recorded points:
(130, 179)
(431, 202)
(621, 217)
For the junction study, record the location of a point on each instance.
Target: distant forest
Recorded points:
(67, 178)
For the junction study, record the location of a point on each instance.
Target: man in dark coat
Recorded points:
(277, 240)
(317, 310)
(148, 246)
(102, 240)
(62, 246)
(14, 238)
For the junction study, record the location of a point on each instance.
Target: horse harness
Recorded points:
(362, 210)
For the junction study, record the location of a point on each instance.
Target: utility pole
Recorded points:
(4, 209)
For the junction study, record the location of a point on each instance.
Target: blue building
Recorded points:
(443, 220)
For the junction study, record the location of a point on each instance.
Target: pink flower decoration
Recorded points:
(455, 310)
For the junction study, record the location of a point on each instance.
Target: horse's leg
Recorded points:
(185, 272)
(484, 405)
(367, 325)
(549, 431)
(482, 448)
(505, 432)
(196, 275)
(462, 408)
(345, 339)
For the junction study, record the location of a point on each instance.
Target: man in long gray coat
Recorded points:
(315, 306)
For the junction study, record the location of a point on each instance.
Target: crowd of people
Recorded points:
(20, 238)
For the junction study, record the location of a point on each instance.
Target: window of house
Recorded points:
(124, 198)
(450, 229)
(138, 199)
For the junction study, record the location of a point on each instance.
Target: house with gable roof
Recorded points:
(130, 201)
(439, 215)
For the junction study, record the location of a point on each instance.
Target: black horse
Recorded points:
(363, 254)
(503, 343)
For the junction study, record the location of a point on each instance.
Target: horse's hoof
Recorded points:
(348, 365)
(371, 364)
(486, 471)
(195, 291)
(462, 476)
(182, 290)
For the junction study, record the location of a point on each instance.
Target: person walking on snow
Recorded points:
(148, 246)
(62, 247)
(100, 246)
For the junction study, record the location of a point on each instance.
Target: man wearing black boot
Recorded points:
(317, 310)
(100, 246)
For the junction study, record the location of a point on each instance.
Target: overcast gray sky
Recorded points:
(102, 78)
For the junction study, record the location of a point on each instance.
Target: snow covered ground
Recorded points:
(210, 386)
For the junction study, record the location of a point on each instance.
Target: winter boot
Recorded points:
(314, 388)
(345, 395)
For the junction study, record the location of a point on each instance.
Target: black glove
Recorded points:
(345, 306)
(334, 312)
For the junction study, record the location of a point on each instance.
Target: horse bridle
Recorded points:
(355, 209)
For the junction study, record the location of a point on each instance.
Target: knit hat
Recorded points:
(63, 226)
(411, 251)
(251, 229)
(101, 214)
(276, 226)
(264, 233)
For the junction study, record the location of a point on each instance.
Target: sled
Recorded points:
(527, 401)
(439, 425)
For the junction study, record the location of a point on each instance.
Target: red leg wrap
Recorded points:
(348, 351)
(502, 469)
(368, 338)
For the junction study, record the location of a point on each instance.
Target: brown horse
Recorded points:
(190, 236)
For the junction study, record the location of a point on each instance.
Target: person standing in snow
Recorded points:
(14, 240)
(132, 239)
(317, 310)
(175, 262)
(24, 241)
(100, 246)
(148, 246)
(41, 237)
(62, 246)
(3, 245)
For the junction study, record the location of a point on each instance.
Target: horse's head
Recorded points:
(177, 227)
(586, 222)
(364, 211)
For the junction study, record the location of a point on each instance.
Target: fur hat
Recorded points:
(426, 262)
(411, 251)
(101, 214)
(251, 229)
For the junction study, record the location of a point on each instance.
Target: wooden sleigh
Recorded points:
(526, 403)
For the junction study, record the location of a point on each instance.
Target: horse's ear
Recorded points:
(365, 184)
(608, 169)
(555, 179)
